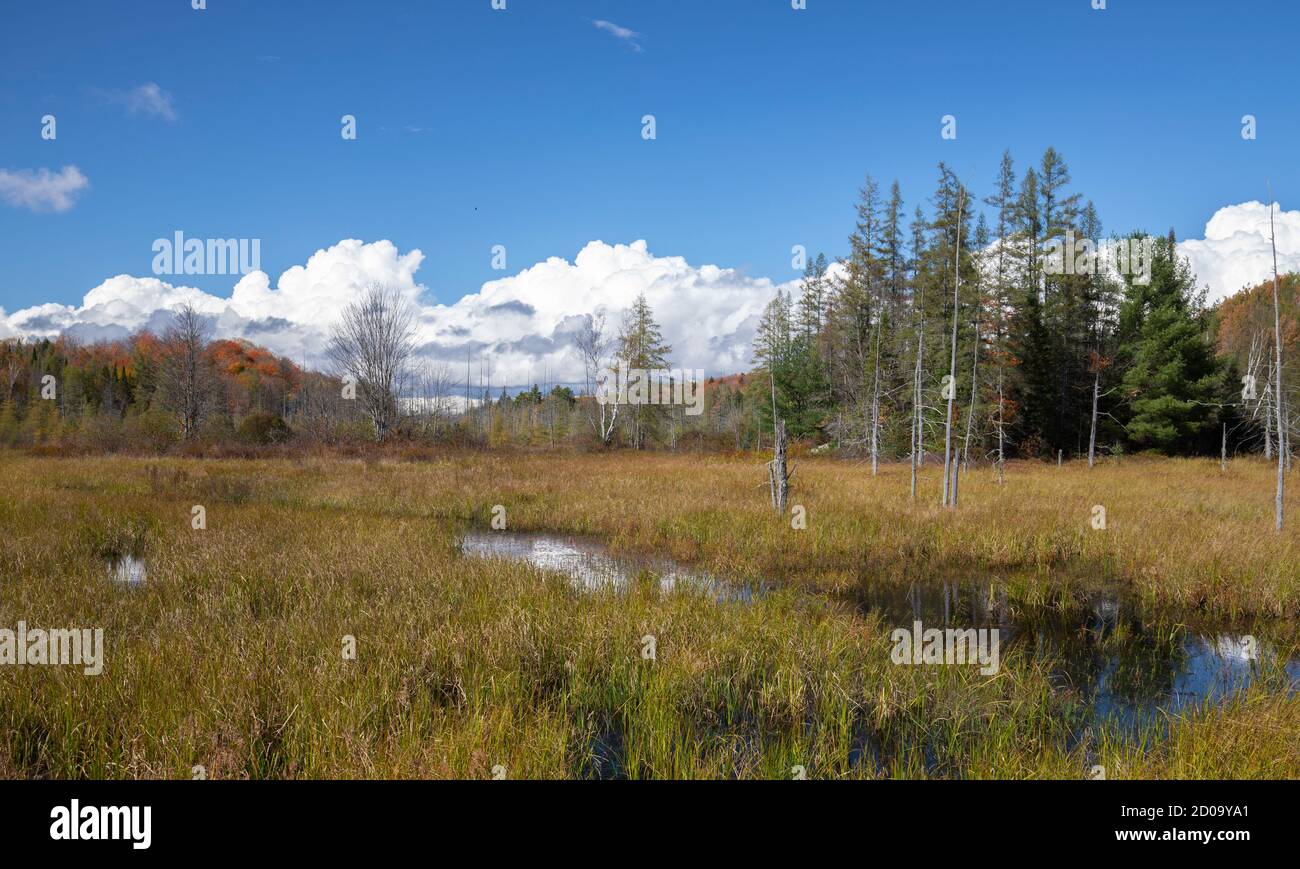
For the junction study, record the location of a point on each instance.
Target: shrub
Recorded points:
(263, 429)
(153, 430)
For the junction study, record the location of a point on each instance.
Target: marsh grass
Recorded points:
(230, 655)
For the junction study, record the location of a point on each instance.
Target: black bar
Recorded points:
(300, 819)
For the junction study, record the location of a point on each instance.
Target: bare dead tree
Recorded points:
(1277, 380)
(594, 346)
(918, 420)
(371, 347)
(319, 406)
(778, 476)
(1002, 436)
(917, 430)
(1268, 411)
(1092, 431)
(13, 367)
(875, 385)
(1097, 363)
(974, 392)
(431, 401)
(187, 382)
(949, 477)
(1288, 423)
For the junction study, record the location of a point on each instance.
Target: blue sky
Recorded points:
(521, 127)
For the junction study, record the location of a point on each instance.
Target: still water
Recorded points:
(1133, 669)
(127, 570)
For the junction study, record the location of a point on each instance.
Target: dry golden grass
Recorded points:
(1178, 531)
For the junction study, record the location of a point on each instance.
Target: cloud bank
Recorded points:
(521, 325)
(1236, 253)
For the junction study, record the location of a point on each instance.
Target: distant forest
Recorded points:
(1002, 302)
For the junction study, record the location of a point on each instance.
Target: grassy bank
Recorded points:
(230, 657)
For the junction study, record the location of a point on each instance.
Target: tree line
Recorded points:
(970, 328)
(1007, 331)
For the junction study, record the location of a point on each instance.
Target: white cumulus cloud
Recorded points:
(42, 190)
(1236, 252)
(521, 325)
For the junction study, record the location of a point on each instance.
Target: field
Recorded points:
(230, 656)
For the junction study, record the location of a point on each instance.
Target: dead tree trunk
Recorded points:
(970, 413)
(1092, 437)
(1223, 451)
(1002, 455)
(1277, 380)
(1286, 432)
(778, 476)
(949, 496)
(974, 391)
(918, 421)
(875, 401)
(1268, 414)
(956, 466)
(916, 409)
(875, 434)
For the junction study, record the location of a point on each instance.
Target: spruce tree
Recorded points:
(642, 348)
(1172, 379)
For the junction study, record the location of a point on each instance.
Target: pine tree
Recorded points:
(642, 348)
(795, 387)
(773, 335)
(855, 316)
(1172, 379)
(892, 254)
(813, 299)
(1034, 384)
(1003, 201)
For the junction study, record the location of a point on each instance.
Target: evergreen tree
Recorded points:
(813, 297)
(854, 313)
(893, 255)
(999, 301)
(642, 348)
(1172, 379)
(795, 385)
(1031, 343)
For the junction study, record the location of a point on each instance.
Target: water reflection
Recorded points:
(592, 568)
(1132, 669)
(127, 569)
